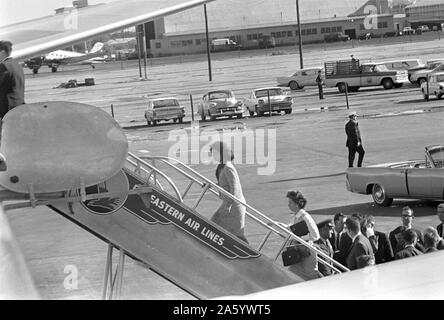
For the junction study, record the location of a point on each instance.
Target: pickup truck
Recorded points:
(357, 75)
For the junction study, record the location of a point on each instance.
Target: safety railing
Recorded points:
(149, 167)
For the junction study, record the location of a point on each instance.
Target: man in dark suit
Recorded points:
(407, 223)
(361, 249)
(409, 250)
(320, 83)
(354, 141)
(440, 212)
(325, 231)
(340, 241)
(380, 243)
(339, 221)
(345, 246)
(12, 80)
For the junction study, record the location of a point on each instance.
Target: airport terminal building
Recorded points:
(247, 22)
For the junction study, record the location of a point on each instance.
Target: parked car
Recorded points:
(420, 76)
(300, 79)
(404, 64)
(408, 31)
(223, 44)
(164, 109)
(366, 36)
(220, 103)
(434, 87)
(417, 179)
(258, 101)
(266, 41)
(430, 64)
(337, 36)
(423, 28)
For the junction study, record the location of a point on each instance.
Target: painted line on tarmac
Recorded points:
(321, 109)
(402, 113)
(306, 178)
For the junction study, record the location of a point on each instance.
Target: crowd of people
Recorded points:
(354, 241)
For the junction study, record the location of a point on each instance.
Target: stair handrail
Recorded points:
(173, 185)
(276, 225)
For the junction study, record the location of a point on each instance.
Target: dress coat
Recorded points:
(12, 85)
(361, 247)
(381, 247)
(231, 215)
(353, 134)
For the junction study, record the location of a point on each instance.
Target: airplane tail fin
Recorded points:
(97, 47)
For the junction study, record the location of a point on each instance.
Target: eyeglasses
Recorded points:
(406, 216)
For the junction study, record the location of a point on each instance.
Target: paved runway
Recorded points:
(310, 151)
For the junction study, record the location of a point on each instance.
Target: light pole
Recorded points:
(299, 35)
(210, 77)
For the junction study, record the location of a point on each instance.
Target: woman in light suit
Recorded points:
(230, 215)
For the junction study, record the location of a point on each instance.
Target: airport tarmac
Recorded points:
(310, 152)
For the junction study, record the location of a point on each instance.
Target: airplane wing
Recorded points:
(35, 37)
(417, 278)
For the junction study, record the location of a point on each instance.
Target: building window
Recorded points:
(186, 42)
(273, 34)
(289, 33)
(361, 26)
(327, 30)
(303, 32)
(197, 42)
(333, 29)
(158, 45)
(249, 37)
(284, 34)
(278, 34)
(385, 24)
(322, 30)
(314, 31)
(255, 36)
(339, 29)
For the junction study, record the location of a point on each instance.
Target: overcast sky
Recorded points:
(12, 11)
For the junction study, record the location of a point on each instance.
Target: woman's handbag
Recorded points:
(290, 256)
(294, 254)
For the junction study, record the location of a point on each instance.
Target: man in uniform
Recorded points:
(12, 80)
(354, 142)
(325, 231)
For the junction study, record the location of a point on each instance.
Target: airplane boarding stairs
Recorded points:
(142, 213)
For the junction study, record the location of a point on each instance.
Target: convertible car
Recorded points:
(418, 179)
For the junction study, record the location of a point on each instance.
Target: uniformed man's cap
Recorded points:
(352, 114)
(329, 223)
